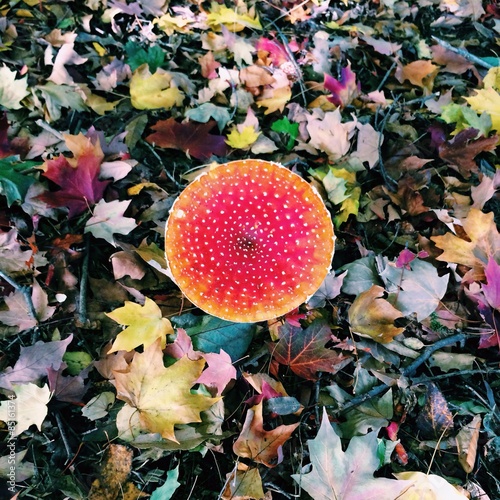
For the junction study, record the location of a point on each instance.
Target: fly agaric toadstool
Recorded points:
(249, 241)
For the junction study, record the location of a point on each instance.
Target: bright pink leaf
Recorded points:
(345, 90)
(491, 289)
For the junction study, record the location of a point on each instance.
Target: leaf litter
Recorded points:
(384, 383)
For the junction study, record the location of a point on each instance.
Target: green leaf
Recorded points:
(208, 110)
(166, 491)
(212, 334)
(284, 126)
(347, 475)
(13, 183)
(137, 56)
(12, 91)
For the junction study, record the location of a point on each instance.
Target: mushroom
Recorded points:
(249, 241)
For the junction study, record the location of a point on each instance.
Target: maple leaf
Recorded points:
(420, 73)
(145, 325)
(108, 219)
(12, 91)
(329, 289)
(229, 17)
(162, 396)
(18, 313)
(274, 99)
(460, 152)
(192, 138)
(34, 361)
(242, 139)
(484, 243)
(304, 352)
(259, 445)
(487, 101)
(244, 483)
(370, 315)
(152, 91)
(427, 487)
(27, 409)
(78, 177)
(345, 475)
(67, 388)
(344, 90)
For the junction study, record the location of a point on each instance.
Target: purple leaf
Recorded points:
(491, 290)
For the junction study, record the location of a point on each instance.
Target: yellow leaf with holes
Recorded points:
(243, 139)
(483, 241)
(145, 325)
(487, 100)
(372, 316)
(152, 91)
(162, 396)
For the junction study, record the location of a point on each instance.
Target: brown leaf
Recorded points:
(192, 138)
(452, 62)
(435, 420)
(244, 483)
(304, 350)
(420, 73)
(372, 316)
(259, 445)
(467, 439)
(460, 152)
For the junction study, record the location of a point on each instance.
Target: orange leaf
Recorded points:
(420, 73)
(372, 316)
(258, 444)
(484, 242)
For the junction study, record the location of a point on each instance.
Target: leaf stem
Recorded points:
(25, 290)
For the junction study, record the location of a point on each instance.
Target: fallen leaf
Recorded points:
(162, 396)
(435, 420)
(420, 73)
(28, 408)
(234, 19)
(12, 91)
(259, 445)
(145, 325)
(192, 138)
(220, 371)
(242, 139)
(344, 90)
(34, 361)
(487, 101)
(108, 219)
(370, 315)
(65, 56)
(244, 483)
(467, 443)
(347, 475)
(484, 242)
(166, 491)
(153, 91)
(427, 487)
(304, 350)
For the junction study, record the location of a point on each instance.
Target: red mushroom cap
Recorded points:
(249, 241)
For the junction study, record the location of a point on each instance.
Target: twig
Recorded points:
(82, 303)
(406, 372)
(460, 373)
(64, 437)
(25, 290)
(464, 53)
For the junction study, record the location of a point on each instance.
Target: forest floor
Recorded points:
(384, 384)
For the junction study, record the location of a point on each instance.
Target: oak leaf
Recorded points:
(145, 325)
(345, 475)
(304, 350)
(259, 445)
(371, 315)
(484, 242)
(192, 138)
(162, 396)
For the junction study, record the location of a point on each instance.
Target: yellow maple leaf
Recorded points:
(162, 396)
(170, 24)
(487, 100)
(152, 91)
(372, 316)
(243, 139)
(145, 325)
(492, 78)
(276, 101)
(484, 243)
(234, 19)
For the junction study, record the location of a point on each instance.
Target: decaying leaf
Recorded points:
(347, 475)
(162, 396)
(371, 315)
(258, 444)
(467, 442)
(435, 419)
(304, 350)
(244, 483)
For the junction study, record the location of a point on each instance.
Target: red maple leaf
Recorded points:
(80, 184)
(192, 138)
(304, 350)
